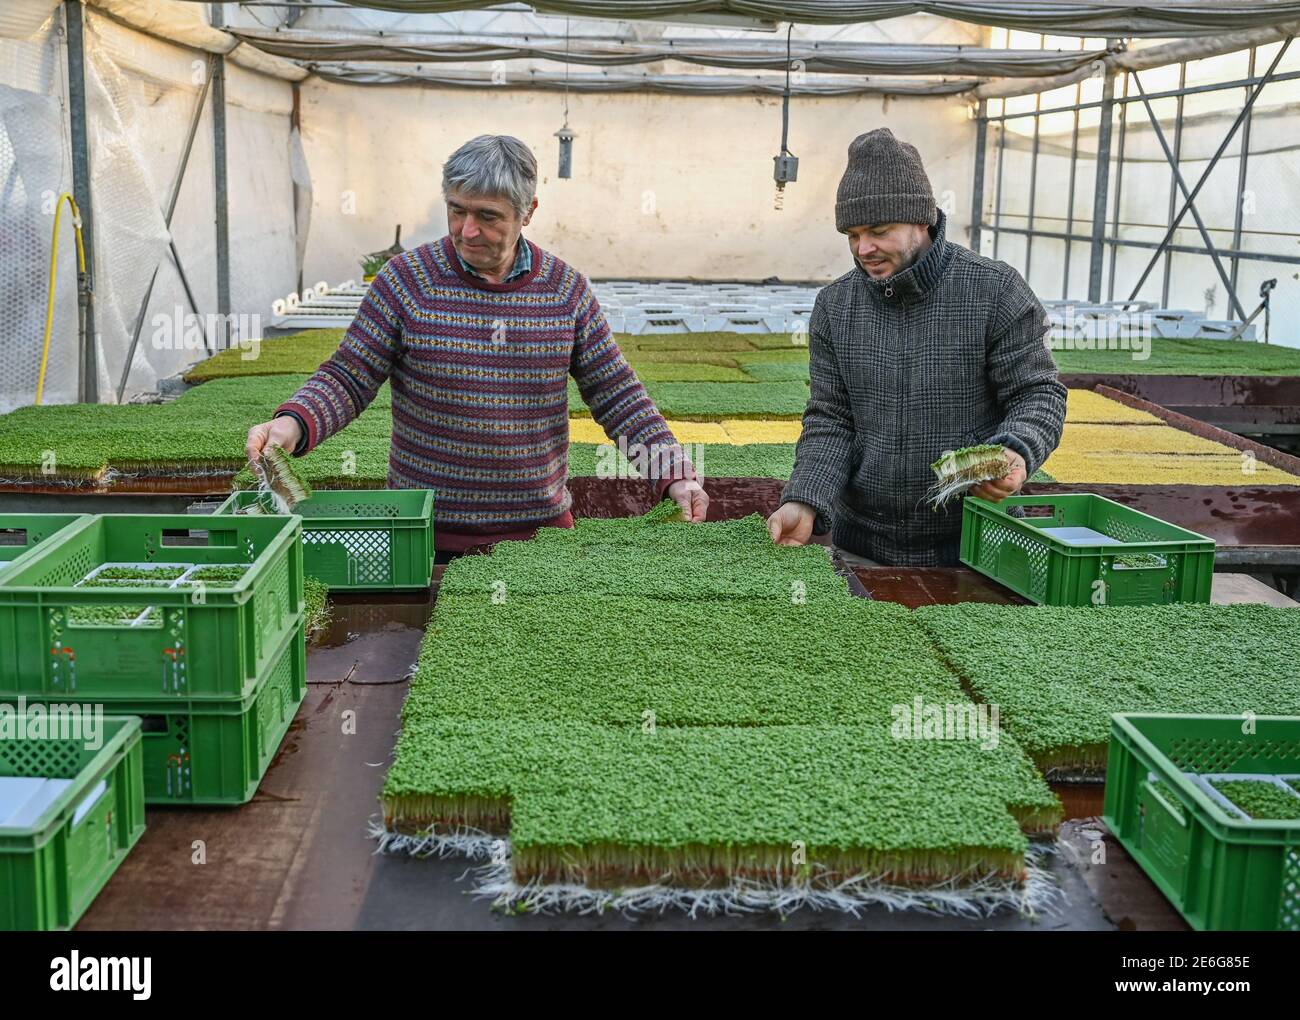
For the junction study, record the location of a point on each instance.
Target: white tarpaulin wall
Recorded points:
(140, 93)
(1109, 17)
(662, 186)
(35, 168)
(154, 88)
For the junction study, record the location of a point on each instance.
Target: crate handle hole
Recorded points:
(1139, 561)
(13, 536)
(153, 724)
(184, 536)
(95, 795)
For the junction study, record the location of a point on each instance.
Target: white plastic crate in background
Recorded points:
(629, 306)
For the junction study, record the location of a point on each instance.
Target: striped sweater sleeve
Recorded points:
(347, 381)
(619, 402)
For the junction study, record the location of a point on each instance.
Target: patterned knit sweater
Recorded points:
(479, 374)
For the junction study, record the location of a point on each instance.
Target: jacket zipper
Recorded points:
(905, 378)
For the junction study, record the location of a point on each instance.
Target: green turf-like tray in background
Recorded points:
(53, 865)
(1134, 560)
(208, 641)
(1221, 872)
(362, 539)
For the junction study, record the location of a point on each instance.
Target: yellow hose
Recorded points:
(54, 255)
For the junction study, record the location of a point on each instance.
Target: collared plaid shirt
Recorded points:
(523, 262)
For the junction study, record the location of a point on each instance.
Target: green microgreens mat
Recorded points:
(1057, 673)
(316, 611)
(598, 803)
(1260, 800)
(301, 353)
(697, 702)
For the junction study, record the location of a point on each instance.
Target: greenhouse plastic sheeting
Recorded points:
(1190, 17)
(628, 81)
(140, 94)
(21, 19)
(818, 56)
(639, 204)
(157, 86)
(35, 168)
(129, 228)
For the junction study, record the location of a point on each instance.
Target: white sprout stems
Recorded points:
(963, 895)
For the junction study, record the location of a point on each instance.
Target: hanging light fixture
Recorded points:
(566, 135)
(785, 164)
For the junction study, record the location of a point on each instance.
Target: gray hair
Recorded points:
(495, 166)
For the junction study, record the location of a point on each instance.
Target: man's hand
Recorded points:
(792, 523)
(691, 497)
(1009, 484)
(284, 432)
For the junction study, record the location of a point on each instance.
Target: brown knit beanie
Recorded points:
(883, 183)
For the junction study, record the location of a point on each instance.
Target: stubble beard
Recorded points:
(909, 258)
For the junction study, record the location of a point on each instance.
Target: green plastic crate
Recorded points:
(53, 865)
(1221, 872)
(363, 539)
(21, 533)
(1020, 553)
(216, 752)
(167, 642)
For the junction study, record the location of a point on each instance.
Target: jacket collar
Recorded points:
(922, 276)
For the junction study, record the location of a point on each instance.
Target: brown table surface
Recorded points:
(916, 586)
(930, 586)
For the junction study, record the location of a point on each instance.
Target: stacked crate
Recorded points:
(70, 812)
(213, 664)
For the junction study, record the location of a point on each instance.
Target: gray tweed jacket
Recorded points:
(948, 353)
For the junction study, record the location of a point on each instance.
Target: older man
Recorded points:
(922, 347)
(478, 333)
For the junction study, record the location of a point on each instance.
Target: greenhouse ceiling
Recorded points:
(1192, 17)
(717, 47)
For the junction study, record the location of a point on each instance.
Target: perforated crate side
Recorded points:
(1221, 872)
